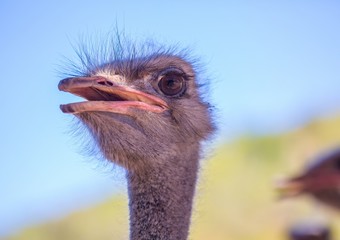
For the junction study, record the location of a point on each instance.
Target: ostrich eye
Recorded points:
(171, 84)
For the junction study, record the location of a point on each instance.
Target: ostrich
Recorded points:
(321, 179)
(145, 112)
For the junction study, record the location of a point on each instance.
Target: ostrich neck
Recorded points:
(161, 200)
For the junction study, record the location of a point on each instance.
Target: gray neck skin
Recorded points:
(161, 199)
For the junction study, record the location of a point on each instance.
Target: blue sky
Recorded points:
(273, 66)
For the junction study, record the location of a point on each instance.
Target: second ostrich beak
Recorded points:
(104, 95)
(289, 187)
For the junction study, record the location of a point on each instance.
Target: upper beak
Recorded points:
(107, 96)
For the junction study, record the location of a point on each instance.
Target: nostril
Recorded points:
(105, 83)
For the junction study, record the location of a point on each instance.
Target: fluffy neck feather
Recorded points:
(161, 199)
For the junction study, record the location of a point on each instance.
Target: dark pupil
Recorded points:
(171, 85)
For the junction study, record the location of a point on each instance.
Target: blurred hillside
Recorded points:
(235, 199)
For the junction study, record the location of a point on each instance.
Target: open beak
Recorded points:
(104, 95)
(309, 183)
(289, 187)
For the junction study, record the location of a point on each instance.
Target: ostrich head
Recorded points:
(141, 110)
(145, 112)
(320, 179)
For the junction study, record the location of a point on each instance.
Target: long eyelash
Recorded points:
(175, 71)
